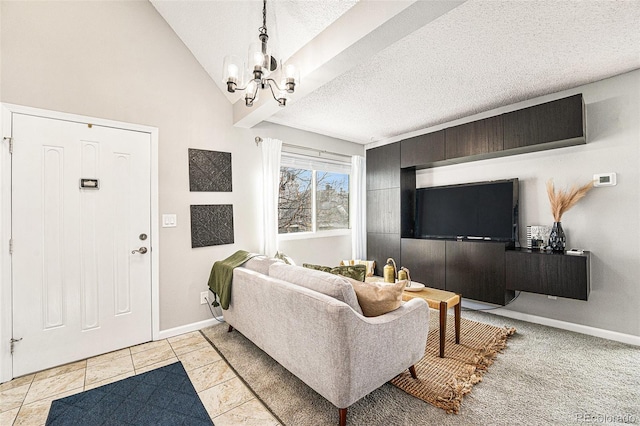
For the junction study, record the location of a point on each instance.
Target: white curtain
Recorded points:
(271, 149)
(358, 196)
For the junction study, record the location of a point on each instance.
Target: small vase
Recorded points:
(557, 238)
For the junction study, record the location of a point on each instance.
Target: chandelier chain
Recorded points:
(263, 28)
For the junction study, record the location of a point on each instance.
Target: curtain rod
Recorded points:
(258, 139)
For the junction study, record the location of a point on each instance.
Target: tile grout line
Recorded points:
(23, 399)
(84, 382)
(234, 407)
(242, 379)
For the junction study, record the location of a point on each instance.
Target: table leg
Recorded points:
(456, 310)
(443, 326)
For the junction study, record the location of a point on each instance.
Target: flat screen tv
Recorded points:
(473, 211)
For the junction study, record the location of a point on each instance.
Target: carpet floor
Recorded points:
(545, 376)
(443, 382)
(164, 396)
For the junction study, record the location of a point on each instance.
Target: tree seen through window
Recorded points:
(296, 195)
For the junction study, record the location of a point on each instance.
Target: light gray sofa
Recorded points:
(324, 339)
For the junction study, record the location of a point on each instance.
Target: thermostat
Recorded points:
(604, 179)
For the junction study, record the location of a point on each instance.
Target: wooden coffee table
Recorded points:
(441, 300)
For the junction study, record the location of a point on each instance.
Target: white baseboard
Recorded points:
(578, 328)
(165, 334)
(563, 325)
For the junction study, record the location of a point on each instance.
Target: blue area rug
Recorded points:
(164, 396)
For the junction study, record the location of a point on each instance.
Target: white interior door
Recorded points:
(79, 288)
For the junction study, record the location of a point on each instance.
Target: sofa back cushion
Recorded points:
(260, 264)
(332, 285)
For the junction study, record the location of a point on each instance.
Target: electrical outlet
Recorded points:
(203, 297)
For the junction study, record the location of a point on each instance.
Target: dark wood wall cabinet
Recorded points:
(476, 269)
(383, 204)
(561, 275)
(550, 125)
(492, 272)
(554, 124)
(473, 139)
(383, 167)
(423, 149)
(479, 270)
(425, 260)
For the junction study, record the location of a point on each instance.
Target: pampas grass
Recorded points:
(563, 200)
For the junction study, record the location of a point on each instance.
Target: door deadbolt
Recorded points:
(141, 250)
(143, 237)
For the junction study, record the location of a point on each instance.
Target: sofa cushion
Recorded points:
(332, 285)
(378, 298)
(260, 264)
(357, 272)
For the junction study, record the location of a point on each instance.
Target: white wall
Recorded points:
(120, 60)
(327, 251)
(606, 222)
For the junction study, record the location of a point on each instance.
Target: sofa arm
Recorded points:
(408, 311)
(382, 347)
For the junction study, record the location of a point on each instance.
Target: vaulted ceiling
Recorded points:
(374, 70)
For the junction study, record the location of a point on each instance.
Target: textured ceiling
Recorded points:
(473, 57)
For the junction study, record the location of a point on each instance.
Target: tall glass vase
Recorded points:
(557, 238)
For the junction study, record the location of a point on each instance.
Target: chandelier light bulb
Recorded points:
(251, 93)
(258, 59)
(291, 78)
(290, 71)
(233, 71)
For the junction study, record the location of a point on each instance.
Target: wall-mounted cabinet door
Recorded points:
(425, 260)
(475, 138)
(383, 167)
(554, 121)
(477, 270)
(422, 150)
(548, 273)
(380, 247)
(383, 211)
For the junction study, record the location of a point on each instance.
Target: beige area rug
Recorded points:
(443, 382)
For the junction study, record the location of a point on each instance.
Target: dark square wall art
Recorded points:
(209, 171)
(211, 225)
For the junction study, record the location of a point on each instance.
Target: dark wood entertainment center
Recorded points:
(486, 271)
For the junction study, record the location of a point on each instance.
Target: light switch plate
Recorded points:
(169, 220)
(604, 179)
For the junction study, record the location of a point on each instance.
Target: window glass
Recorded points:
(332, 201)
(295, 212)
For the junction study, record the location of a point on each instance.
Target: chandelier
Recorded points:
(259, 69)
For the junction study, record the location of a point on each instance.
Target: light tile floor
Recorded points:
(26, 400)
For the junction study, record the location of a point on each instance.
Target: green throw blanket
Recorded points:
(222, 274)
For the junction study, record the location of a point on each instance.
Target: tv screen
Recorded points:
(485, 210)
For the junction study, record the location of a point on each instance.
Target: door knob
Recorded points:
(141, 250)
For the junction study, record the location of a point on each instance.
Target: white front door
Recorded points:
(80, 209)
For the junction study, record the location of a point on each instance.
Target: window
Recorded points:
(314, 195)
(295, 207)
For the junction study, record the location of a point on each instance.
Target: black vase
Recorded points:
(557, 239)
